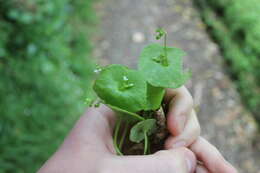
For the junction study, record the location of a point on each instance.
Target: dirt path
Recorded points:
(128, 25)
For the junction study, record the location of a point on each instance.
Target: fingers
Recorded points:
(180, 160)
(182, 121)
(180, 105)
(211, 157)
(201, 169)
(183, 125)
(93, 129)
(187, 136)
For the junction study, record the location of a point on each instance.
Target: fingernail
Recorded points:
(189, 165)
(179, 144)
(190, 161)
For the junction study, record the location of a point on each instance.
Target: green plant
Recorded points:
(234, 25)
(136, 95)
(45, 69)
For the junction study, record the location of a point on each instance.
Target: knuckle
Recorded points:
(173, 160)
(176, 159)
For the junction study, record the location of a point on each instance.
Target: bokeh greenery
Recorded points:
(45, 69)
(235, 26)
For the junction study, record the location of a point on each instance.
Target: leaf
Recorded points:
(121, 87)
(171, 76)
(138, 130)
(154, 97)
(160, 33)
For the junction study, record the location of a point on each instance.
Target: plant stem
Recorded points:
(118, 124)
(123, 136)
(145, 143)
(134, 115)
(149, 148)
(165, 42)
(165, 59)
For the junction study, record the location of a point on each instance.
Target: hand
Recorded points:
(89, 146)
(89, 149)
(185, 130)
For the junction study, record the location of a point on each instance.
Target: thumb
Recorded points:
(180, 160)
(93, 129)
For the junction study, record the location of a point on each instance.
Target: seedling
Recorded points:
(137, 96)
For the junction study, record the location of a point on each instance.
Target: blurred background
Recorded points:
(48, 49)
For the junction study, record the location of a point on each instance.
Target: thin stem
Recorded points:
(165, 42)
(118, 124)
(145, 143)
(149, 148)
(134, 115)
(123, 136)
(165, 58)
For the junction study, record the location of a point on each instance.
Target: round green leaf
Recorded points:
(122, 87)
(159, 75)
(137, 133)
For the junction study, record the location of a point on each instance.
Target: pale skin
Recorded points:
(89, 146)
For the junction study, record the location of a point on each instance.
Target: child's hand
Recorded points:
(89, 149)
(89, 146)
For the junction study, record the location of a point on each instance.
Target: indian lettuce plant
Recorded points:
(137, 95)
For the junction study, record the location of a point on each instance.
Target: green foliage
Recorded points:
(235, 25)
(160, 33)
(138, 131)
(137, 94)
(154, 97)
(170, 76)
(119, 86)
(143, 89)
(45, 71)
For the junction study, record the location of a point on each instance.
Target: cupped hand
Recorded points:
(89, 146)
(89, 149)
